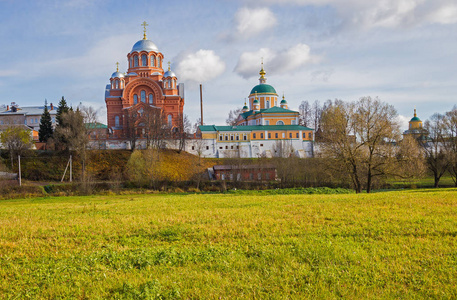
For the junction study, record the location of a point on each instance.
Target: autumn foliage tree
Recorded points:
(359, 139)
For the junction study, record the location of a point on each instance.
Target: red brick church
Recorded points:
(144, 86)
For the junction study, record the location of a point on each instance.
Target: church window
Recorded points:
(267, 122)
(135, 99)
(253, 135)
(276, 135)
(144, 60)
(261, 135)
(237, 137)
(143, 96)
(283, 135)
(152, 61)
(268, 104)
(220, 137)
(150, 99)
(290, 135)
(310, 135)
(159, 62)
(36, 120)
(304, 135)
(231, 137)
(226, 137)
(280, 123)
(207, 147)
(269, 135)
(117, 84)
(296, 135)
(116, 121)
(169, 120)
(135, 58)
(131, 62)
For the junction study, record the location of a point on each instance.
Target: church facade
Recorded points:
(267, 128)
(143, 87)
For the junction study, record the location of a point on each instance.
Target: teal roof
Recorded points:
(263, 89)
(96, 125)
(209, 128)
(271, 110)
(415, 119)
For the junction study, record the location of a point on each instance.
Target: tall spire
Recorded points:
(169, 66)
(262, 73)
(117, 67)
(144, 24)
(415, 115)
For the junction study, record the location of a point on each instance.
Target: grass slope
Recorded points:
(383, 245)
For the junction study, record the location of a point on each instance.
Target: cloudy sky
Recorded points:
(402, 51)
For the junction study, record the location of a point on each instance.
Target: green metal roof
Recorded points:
(271, 110)
(263, 89)
(415, 119)
(209, 128)
(96, 125)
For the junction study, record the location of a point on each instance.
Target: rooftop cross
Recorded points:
(117, 67)
(144, 24)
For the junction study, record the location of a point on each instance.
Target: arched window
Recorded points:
(150, 99)
(135, 58)
(116, 121)
(267, 105)
(169, 84)
(153, 61)
(131, 62)
(143, 96)
(280, 123)
(159, 62)
(117, 84)
(135, 99)
(170, 117)
(144, 60)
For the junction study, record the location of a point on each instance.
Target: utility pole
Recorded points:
(201, 105)
(19, 162)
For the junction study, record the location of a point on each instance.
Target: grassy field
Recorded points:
(381, 245)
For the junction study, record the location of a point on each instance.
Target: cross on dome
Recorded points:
(117, 66)
(144, 24)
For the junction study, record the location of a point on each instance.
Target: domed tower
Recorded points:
(415, 123)
(284, 103)
(266, 94)
(145, 87)
(169, 82)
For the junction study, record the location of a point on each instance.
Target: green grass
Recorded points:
(367, 246)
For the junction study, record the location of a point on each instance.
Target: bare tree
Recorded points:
(305, 114)
(131, 128)
(451, 142)
(233, 116)
(155, 128)
(75, 129)
(183, 132)
(359, 139)
(435, 147)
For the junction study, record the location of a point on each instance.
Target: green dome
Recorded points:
(256, 101)
(283, 101)
(263, 89)
(245, 107)
(415, 119)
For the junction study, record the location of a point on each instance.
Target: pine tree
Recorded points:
(61, 109)
(45, 131)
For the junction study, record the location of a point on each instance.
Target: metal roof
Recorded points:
(29, 110)
(209, 128)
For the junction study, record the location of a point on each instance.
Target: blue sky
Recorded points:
(402, 51)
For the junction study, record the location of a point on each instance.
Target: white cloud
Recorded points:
(250, 22)
(275, 62)
(386, 13)
(403, 121)
(200, 66)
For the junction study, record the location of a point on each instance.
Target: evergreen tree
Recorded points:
(45, 131)
(61, 109)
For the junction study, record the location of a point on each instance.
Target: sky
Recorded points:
(401, 51)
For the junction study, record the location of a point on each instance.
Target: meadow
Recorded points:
(398, 244)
